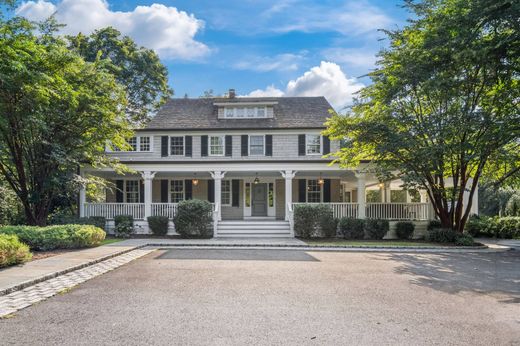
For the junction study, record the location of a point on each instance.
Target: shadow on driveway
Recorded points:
(237, 255)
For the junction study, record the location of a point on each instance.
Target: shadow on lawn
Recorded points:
(486, 273)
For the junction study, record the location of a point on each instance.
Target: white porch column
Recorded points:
(82, 201)
(148, 178)
(217, 177)
(288, 175)
(474, 201)
(388, 193)
(361, 194)
(424, 196)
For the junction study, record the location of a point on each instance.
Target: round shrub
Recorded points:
(314, 221)
(12, 251)
(433, 224)
(124, 226)
(194, 219)
(404, 229)
(351, 228)
(97, 221)
(464, 240)
(87, 236)
(158, 224)
(441, 235)
(376, 228)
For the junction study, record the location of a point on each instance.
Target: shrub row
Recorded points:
(57, 236)
(12, 251)
(351, 228)
(494, 227)
(97, 221)
(438, 234)
(314, 221)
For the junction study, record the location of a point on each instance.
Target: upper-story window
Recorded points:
(177, 145)
(245, 112)
(216, 145)
(256, 145)
(313, 144)
(144, 143)
(136, 143)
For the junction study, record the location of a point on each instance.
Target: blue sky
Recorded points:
(258, 47)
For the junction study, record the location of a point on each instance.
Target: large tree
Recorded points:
(137, 68)
(56, 111)
(443, 106)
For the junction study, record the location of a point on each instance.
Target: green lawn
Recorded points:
(111, 240)
(374, 243)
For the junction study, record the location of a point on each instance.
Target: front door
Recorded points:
(259, 205)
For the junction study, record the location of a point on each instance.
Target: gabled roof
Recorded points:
(202, 114)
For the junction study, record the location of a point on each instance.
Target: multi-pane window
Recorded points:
(256, 145)
(176, 191)
(177, 145)
(133, 143)
(313, 144)
(216, 145)
(245, 112)
(313, 191)
(144, 143)
(226, 192)
(132, 191)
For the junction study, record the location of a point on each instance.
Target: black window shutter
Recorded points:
(268, 145)
(119, 191)
(188, 145)
(326, 191)
(229, 145)
(326, 145)
(141, 191)
(164, 146)
(211, 191)
(164, 191)
(245, 144)
(188, 189)
(302, 190)
(235, 187)
(301, 145)
(203, 145)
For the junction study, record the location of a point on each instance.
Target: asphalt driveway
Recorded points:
(275, 297)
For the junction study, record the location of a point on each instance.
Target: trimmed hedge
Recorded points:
(404, 229)
(194, 219)
(158, 224)
(314, 221)
(57, 236)
(351, 228)
(12, 251)
(124, 226)
(441, 235)
(494, 227)
(97, 221)
(376, 228)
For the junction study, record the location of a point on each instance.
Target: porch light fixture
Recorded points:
(320, 180)
(256, 181)
(195, 181)
(381, 185)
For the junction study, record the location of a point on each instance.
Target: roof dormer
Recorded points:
(245, 110)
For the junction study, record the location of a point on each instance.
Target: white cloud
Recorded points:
(280, 62)
(165, 29)
(325, 80)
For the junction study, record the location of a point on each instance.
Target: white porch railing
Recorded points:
(109, 210)
(398, 211)
(164, 209)
(339, 210)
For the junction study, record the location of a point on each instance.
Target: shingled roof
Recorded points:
(201, 114)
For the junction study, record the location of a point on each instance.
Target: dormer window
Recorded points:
(249, 112)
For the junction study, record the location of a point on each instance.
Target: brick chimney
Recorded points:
(231, 93)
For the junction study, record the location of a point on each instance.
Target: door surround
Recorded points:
(271, 210)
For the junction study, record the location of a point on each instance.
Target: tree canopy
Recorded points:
(443, 106)
(57, 112)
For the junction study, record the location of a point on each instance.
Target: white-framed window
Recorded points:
(313, 191)
(216, 146)
(176, 191)
(246, 112)
(132, 142)
(313, 144)
(132, 191)
(144, 143)
(256, 145)
(136, 143)
(177, 145)
(225, 192)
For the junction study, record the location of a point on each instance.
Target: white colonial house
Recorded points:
(254, 159)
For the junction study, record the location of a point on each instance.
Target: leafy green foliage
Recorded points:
(158, 224)
(513, 205)
(57, 112)
(137, 68)
(124, 226)
(352, 228)
(464, 240)
(194, 219)
(314, 221)
(494, 227)
(442, 108)
(404, 229)
(56, 237)
(441, 235)
(12, 251)
(376, 228)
